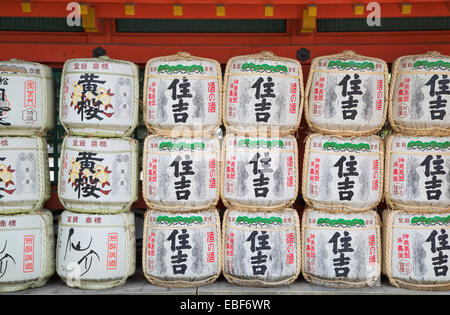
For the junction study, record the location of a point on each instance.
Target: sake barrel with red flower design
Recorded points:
(341, 249)
(95, 251)
(181, 249)
(417, 172)
(24, 174)
(263, 91)
(420, 95)
(99, 97)
(98, 174)
(26, 98)
(343, 172)
(27, 245)
(416, 249)
(261, 248)
(346, 94)
(182, 95)
(181, 173)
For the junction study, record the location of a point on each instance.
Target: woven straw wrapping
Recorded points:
(203, 261)
(196, 126)
(29, 95)
(95, 251)
(414, 271)
(415, 112)
(345, 127)
(111, 188)
(279, 127)
(31, 234)
(204, 187)
(370, 165)
(412, 192)
(271, 202)
(279, 230)
(25, 173)
(334, 221)
(120, 81)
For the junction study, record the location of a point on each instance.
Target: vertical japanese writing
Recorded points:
(260, 182)
(179, 242)
(183, 184)
(263, 107)
(4, 104)
(440, 262)
(28, 253)
(5, 259)
(350, 104)
(341, 246)
(438, 105)
(345, 187)
(210, 256)
(258, 261)
(86, 261)
(179, 109)
(434, 184)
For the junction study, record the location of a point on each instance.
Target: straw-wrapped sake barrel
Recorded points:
(341, 250)
(182, 94)
(417, 172)
(95, 251)
(259, 172)
(343, 173)
(416, 249)
(26, 98)
(181, 173)
(263, 91)
(346, 94)
(98, 174)
(261, 249)
(99, 97)
(181, 249)
(24, 174)
(27, 248)
(419, 96)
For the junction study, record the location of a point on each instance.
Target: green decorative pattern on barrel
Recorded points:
(181, 69)
(430, 221)
(439, 64)
(179, 219)
(263, 68)
(428, 145)
(259, 220)
(340, 222)
(351, 65)
(260, 143)
(347, 146)
(171, 146)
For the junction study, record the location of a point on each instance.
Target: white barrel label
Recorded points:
(182, 247)
(263, 92)
(347, 95)
(95, 247)
(181, 172)
(99, 96)
(260, 171)
(99, 171)
(341, 246)
(420, 246)
(261, 246)
(422, 92)
(419, 174)
(183, 93)
(26, 97)
(343, 172)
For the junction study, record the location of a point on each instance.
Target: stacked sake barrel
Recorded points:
(259, 172)
(182, 111)
(26, 229)
(417, 181)
(98, 172)
(342, 178)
